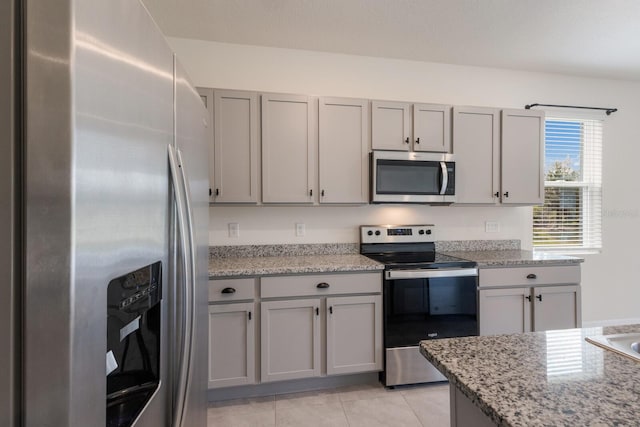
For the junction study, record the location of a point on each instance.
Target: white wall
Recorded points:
(611, 289)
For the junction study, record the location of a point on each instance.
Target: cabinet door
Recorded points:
(476, 139)
(432, 128)
(354, 334)
(231, 345)
(556, 307)
(206, 94)
(235, 147)
(522, 157)
(505, 311)
(290, 339)
(287, 149)
(390, 125)
(344, 149)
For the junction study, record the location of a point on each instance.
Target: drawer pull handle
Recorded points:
(228, 291)
(249, 315)
(539, 297)
(531, 276)
(323, 285)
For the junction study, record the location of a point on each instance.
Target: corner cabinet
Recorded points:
(288, 148)
(499, 156)
(525, 299)
(404, 126)
(343, 149)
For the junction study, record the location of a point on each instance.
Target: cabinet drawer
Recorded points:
(533, 275)
(292, 286)
(244, 289)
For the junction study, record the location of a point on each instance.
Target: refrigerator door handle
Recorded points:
(180, 195)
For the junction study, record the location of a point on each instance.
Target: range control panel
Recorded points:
(397, 233)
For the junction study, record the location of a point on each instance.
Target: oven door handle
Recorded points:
(429, 274)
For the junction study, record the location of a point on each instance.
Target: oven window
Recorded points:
(420, 309)
(407, 177)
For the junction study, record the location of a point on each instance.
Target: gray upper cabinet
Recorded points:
(522, 156)
(402, 126)
(343, 150)
(236, 149)
(288, 148)
(206, 95)
(432, 128)
(499, 156)
(476, 145)
(390, 125)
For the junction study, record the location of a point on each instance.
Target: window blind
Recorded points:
(571, 217)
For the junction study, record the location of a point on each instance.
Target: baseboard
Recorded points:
(292, 386)
(610, 322)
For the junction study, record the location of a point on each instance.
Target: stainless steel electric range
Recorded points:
(426, 295)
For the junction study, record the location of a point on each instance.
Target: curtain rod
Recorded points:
(607, 110)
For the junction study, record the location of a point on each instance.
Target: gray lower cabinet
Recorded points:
(354, 339)
(508, 305)
(231, 344)
(290, 339)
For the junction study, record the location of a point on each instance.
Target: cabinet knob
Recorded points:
(249, 315)
(506, 194)
(323, 285)
(228, 291)
(417, 140)
(310, 192)
(531, 276)
(539, 297)
(217, 191)
(317, 311)
(322, 193)
(331, 310)
(406, 140)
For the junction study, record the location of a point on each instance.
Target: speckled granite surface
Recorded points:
(552, 378)
(477, 245)
(260, 266)
(504, 258)
(283, 250)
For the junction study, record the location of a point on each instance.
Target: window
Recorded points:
(571, 217)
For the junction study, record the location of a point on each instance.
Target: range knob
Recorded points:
(370, 233)
(428, 231)
(377, 232)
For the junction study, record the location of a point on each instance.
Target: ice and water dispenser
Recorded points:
(133, 343)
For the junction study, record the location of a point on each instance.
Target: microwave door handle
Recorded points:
(445, 177)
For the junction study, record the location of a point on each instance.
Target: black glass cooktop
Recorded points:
(418, 260)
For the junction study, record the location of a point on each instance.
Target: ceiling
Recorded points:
(594, 38)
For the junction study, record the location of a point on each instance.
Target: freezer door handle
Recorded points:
(181, 194)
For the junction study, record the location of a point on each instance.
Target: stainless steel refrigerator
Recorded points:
(103, 220)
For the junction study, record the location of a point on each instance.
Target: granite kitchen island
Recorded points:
(552, 378)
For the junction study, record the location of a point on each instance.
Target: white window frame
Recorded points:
(591, 189)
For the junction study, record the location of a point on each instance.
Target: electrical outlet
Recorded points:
(234, 229)
(300, 229)
(492, 226)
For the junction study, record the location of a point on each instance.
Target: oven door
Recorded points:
(401, 177)
(428, 304)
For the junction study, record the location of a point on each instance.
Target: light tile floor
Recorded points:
(363, 405)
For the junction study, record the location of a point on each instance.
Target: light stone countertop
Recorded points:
(543, 378)
(505, 258)
(267, 265)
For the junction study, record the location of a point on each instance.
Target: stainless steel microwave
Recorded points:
(410, 177)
